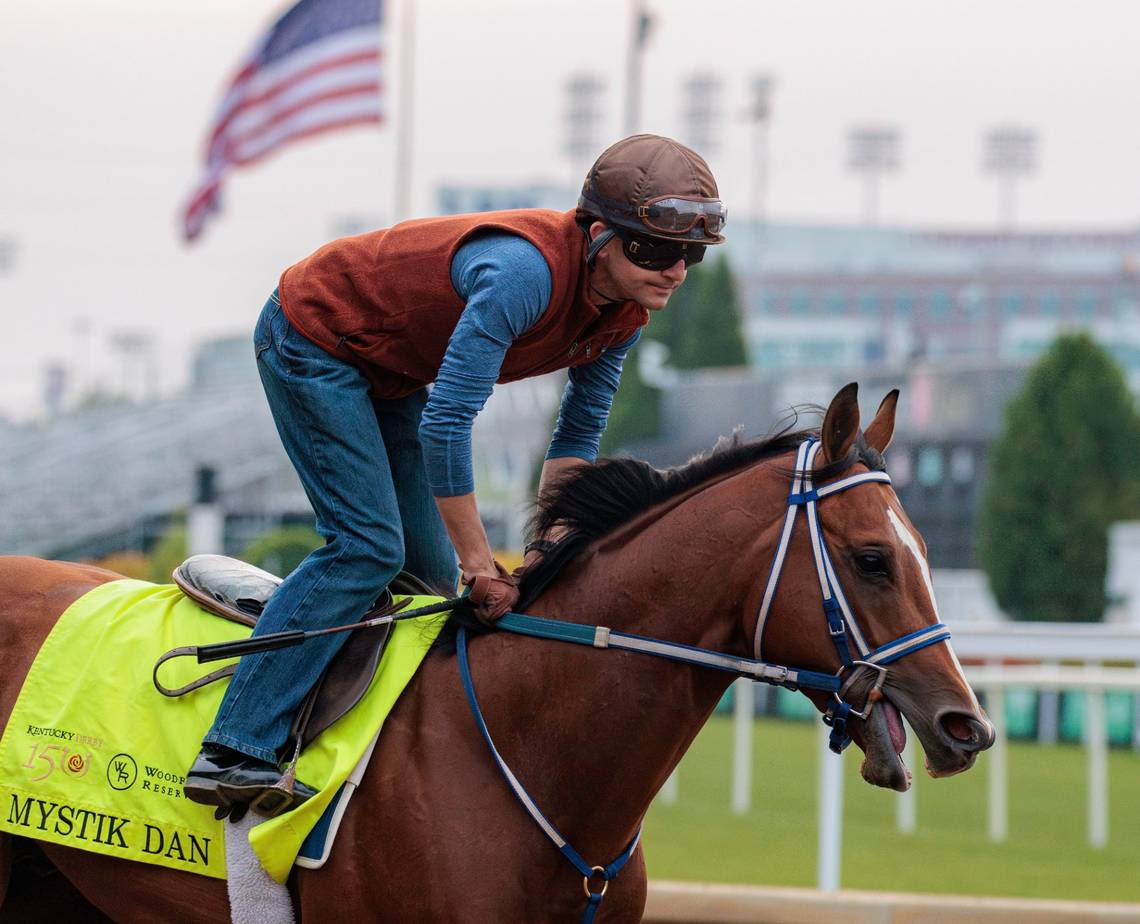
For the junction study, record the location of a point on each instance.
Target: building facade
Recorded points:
(826, 297)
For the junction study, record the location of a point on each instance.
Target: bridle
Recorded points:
(841, 626)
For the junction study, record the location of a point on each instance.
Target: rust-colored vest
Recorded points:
(384, 302)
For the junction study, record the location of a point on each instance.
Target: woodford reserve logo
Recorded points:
(122, 771)
(80, 824)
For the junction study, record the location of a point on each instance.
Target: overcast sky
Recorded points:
(104, 105)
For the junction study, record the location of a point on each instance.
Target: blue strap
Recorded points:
(909, 643)
(837, 719)
(837, 629)
(592, 905)
(539, 627)
(608, 872)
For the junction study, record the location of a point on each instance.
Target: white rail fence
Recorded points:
(1046, 643)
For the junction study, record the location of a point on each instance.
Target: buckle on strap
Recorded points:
(873, 695)
(775, 674)
(836, 719)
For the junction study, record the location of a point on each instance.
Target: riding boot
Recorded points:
(224, 777)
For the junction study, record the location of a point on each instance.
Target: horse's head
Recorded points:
(880, 577)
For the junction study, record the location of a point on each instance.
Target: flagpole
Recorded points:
(406, 120)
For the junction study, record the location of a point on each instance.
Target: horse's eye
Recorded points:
(872, 563)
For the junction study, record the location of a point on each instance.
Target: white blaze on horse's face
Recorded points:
(908, 539)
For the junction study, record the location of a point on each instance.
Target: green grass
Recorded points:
(1045, 856)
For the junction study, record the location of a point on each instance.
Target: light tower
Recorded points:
(641, 25)
(872, 151)
(1009, 152)
(701, 112)
(759, 113)
(583, 117)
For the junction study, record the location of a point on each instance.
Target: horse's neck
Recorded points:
(618, 722)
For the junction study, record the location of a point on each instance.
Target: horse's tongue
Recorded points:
(894, 725)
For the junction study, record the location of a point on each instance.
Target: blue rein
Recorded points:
(842, 628)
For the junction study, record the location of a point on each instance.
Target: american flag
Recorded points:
(317, 68)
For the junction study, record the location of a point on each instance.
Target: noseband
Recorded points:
(841, 626)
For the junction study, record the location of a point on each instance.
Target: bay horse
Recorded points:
(434, 833)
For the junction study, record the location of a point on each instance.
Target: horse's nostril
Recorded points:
(958, 726)
(966, 732)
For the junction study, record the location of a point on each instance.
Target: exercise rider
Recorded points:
(346, 347)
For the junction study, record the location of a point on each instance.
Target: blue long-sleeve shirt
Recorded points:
(506, 284)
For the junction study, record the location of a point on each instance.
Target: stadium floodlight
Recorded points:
(1009, 152)
(701, 112)
(583, 117)
(759, 113)
(640, 28)
(872, 151)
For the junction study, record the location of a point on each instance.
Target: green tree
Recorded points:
(636, 411)
(701, 328)
(1066, 466)
(282, 550)
(705, 326)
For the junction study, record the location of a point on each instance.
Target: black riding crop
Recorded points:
(272, 640)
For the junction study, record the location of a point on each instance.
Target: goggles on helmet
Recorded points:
(680, 214)
(692, 218)
(653, 253)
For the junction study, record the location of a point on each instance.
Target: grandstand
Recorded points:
(110, 477)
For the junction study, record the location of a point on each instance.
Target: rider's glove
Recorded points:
(491, 595)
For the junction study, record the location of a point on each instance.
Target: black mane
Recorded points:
(594, 500)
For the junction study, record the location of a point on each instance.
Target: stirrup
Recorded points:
(276, 800)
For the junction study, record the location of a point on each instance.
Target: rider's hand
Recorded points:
(492, 593)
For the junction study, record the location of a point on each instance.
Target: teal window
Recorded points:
(1012, 303)
(800, 302)
(869, 303)
(1086, 303)
(834, 302)
(1050, 303)
(904, 304)
(941, 302)
(928, 472)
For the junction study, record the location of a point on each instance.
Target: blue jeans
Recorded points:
(362, 468)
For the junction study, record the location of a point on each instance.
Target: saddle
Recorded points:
(238, 591)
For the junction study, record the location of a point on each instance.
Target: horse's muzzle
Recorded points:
(964, 732)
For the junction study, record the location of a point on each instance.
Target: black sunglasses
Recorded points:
(655, 254)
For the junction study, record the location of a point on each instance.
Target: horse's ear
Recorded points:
(880, 430)
(841, 423)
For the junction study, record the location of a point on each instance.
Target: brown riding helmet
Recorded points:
(655, 186)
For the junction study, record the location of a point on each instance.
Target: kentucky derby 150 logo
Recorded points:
(122, 771)
(44, 760)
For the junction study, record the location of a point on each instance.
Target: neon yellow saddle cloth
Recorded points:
(94, 757)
